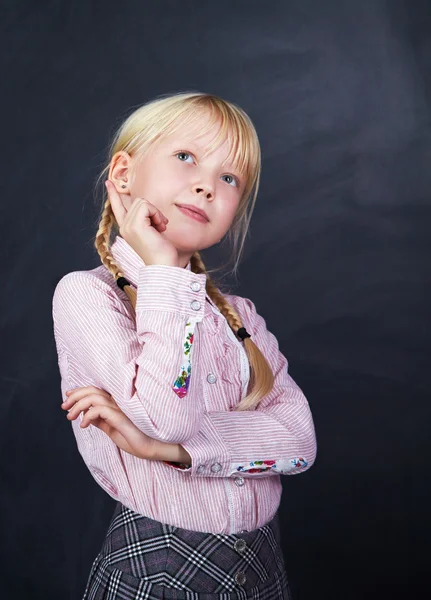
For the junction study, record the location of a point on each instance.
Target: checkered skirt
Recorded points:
(144, 559)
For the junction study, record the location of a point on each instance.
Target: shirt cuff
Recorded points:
(209, 453)
(211, 457)
(171, 289)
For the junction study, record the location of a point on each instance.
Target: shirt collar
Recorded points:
(130, 262)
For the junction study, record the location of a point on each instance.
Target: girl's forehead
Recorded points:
(201, 143)
(200, 127)
(202, 137)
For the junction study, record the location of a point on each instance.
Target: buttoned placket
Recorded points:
(211, 378)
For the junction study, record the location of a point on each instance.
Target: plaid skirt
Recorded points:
(144, 559)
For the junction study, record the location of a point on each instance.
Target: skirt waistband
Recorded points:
(164, 561)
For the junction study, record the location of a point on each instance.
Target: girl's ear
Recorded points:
(119, 172)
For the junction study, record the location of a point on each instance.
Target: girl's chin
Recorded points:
(180, 241)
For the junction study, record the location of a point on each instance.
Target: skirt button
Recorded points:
(240, 578)
(240, 545)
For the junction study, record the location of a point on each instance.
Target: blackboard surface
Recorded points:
(337, 262)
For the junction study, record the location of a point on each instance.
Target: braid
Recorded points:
(259, 368)
(103, 247)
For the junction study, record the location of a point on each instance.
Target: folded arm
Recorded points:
(276, 438)
(149, 367)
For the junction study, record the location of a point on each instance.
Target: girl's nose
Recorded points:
(205, 191)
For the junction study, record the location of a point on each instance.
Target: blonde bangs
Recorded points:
(234, 126)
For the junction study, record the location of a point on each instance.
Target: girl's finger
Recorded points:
(72, 396)
(99, 412)
(153, 214)
(118, 207)
(158, 217)
(113, 419)
(85, 403)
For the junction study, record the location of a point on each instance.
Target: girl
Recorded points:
(179, 397)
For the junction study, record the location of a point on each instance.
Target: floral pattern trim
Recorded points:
(181, 466)
(260, 466)
(255, 466)
(182, 382)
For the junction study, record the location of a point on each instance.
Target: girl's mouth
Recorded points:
(192, 214)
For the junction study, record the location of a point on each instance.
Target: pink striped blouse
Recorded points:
(177, 373)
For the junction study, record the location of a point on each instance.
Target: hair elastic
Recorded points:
(242, 333)
(121, 282)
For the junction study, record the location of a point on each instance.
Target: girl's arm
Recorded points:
(149, 367)
(276, 438)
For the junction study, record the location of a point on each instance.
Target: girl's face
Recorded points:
(174, 172)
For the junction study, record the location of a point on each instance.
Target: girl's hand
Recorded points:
(101, 410)
(142, 226)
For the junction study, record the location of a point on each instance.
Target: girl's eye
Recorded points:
(183, 153)
(233, 180)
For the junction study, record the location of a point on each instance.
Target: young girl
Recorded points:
(179, 397)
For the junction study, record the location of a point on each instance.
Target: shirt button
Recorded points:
(211, 378)
(195, 305)
(196, 286)
(240, 545)
(240, 578)
(200, 469)
(239, 481)
(216, 467)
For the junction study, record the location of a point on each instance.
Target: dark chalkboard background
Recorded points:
(337, 261)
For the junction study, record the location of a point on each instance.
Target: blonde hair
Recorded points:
(154, 121)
